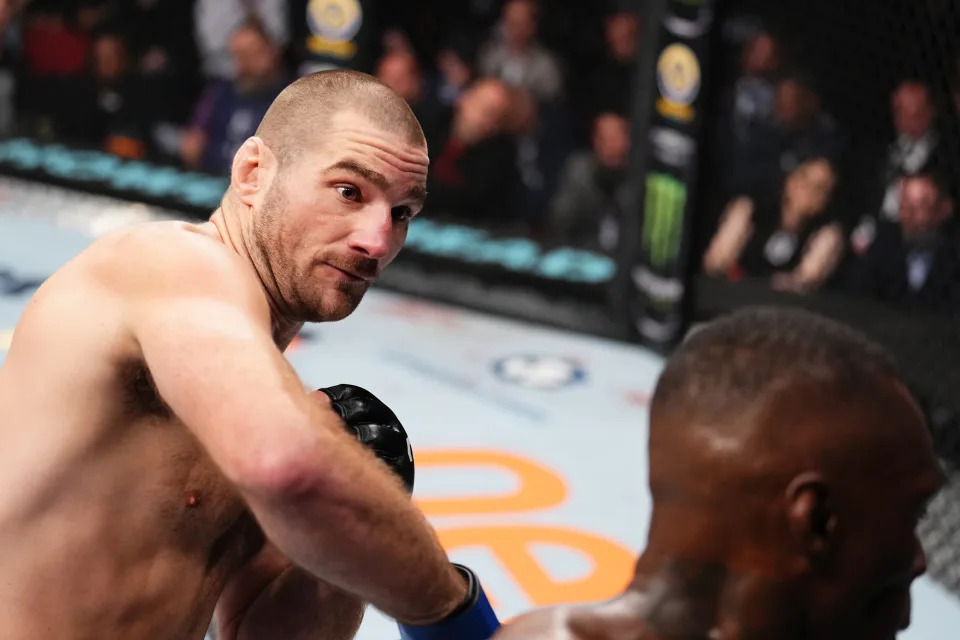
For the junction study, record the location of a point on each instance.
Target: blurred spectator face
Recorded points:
(761, 56)
(520, 23)
(913, 111)
(482, 111)
(621, 31)
(611, 140)
(794, 105)
(255, 58)
(400, 72)
(809, 187)
(455, 70)
(923, 209)
(109, 57)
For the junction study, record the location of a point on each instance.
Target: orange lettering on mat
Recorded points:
(540, 488)
(512, 545)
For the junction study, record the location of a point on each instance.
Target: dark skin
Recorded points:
(769, 530)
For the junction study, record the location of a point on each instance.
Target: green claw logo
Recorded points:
(666, 198)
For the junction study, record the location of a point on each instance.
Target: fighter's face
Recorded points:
(864, 593)
(337, 213)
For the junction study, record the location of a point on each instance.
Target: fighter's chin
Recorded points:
(336, 305)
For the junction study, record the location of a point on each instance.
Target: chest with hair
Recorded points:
(197, 509)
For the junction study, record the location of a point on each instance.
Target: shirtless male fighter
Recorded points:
(789, 466)
(159, 457)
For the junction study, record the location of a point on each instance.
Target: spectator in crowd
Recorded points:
(167, 59)
(916, 147)
(456, 69)
(544, 135)
(584, 211)
(516, 57)
(610, 88)
(401, 72)
(802, 128)
(230, 110)
(914, 263)
(55, 54)
(217, 20)
(790, 238)
(9, 51)
(747, 115)
(54, 44)
(119, 113)
(474, 175)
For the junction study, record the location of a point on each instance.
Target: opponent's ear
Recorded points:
(812, 518)
(249, 172)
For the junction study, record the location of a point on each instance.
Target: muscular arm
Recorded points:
(271, 598)
(202, 324)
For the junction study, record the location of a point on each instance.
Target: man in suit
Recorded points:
(914, 263)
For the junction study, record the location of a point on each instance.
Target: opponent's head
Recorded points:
(785, 446)
(331, 180)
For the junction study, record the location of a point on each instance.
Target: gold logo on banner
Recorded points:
(678, 77)
(334, 24)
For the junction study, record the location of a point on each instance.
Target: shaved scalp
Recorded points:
(737, 360)
(760, 395)
(302, 112)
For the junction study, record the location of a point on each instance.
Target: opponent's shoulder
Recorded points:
(168, 258)
(552, 623)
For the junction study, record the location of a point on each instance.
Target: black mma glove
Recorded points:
(375, 426)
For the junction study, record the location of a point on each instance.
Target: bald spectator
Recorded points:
(401, 72)
(914, 263)
(516, 57)
(474, 175)
(585, 210)
(917, 147)
(230, 110)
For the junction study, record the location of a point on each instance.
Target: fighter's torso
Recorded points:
(113, 521)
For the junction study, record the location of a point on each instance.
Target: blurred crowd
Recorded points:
(526, 107)
(794, 204)
(525, 110)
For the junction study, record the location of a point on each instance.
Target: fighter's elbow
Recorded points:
(280, 472)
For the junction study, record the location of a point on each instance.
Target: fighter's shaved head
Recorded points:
(302, 112)
(761, 393)
(730, 364)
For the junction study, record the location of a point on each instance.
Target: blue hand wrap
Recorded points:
(475, 619)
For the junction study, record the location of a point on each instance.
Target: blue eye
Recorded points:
(348, 192)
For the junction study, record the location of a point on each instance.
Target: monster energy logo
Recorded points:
(666, 199)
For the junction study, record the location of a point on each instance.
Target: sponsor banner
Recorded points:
(656, 265)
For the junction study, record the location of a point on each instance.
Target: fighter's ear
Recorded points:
(248, 175)
(811, 516)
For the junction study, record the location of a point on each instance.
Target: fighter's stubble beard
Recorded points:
(270, 252)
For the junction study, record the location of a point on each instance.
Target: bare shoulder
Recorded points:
(167, 256)
(544, 624)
